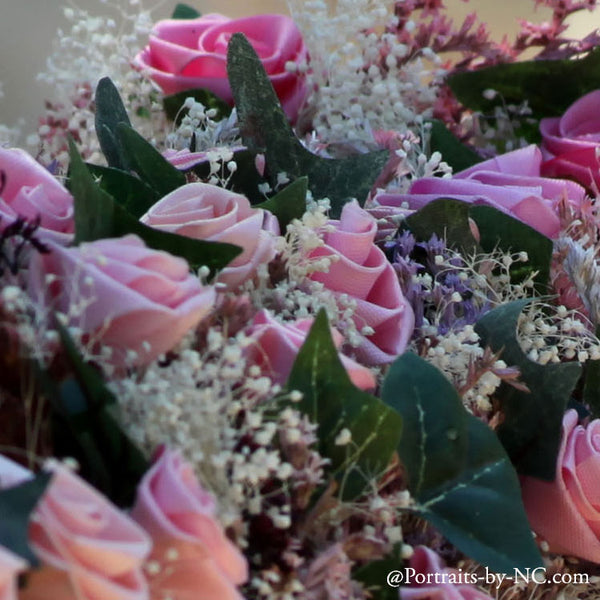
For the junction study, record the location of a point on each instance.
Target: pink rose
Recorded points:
(10, 567)
(566, 511)
(510, 182)
(27, 189)
(196, 559)
(189, 54)
(208, 212)
(88, 548)
(363, 273)
(122, 294)
(433, 580)
(276, 345)
(571, 143)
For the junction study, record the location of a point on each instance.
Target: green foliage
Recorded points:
(265, 129)
(184, 11)
(172, 104)
(453, 151)
(289, 203)
(332, 401)
(459, 474)
(532, 422)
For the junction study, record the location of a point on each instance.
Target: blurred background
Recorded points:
(27, 28)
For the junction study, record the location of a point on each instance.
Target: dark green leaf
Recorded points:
(374, 574)
(183, 11)
(289, 203)
(98, 216)
(154, 170)
(499, 230)
(172, 104)
(453, 151)
(459, 473)
(16, 505)
(591, 387)
(265, 129)
(532, 422)
(549, 86)
(334, 402)
(129, 191)
(110, 111)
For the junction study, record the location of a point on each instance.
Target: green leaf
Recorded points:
(289, 203)
(265, 129)
(16, 505)
(110, 111)
(549, 86)
(499, 230)
(373, 575)
(98, 216)
(532, 422)
(184, 11)
(459, 474)
(591, 387)
(172, 104)
(152, 167)
(453, 151)
(332, 401)
(130, 192)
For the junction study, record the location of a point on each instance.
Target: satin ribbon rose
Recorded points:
(275, 346)
(566, 511)
(192, 53)
(571, 143)
(194, 557)
(207, 212)
(510, 182)
(10, 567)
(361, 271)
(27, 189)
(87, 547)
(138, 301)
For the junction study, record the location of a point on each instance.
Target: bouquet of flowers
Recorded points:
(303, 308)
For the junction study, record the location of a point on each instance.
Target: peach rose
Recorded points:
(566, 511)
(88, 548)
(363, 273)
(208, 212)
(10, 566)
(195, 558)
(27, 189)
(276, 345)
(188, 54)
(122, 294)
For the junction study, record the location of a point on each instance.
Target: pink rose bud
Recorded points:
(28, 190)
(363, 273)
(122, 294)
(509, 182)
(275, 348)
(189, 54)
(566, 511)
(195, 559)
(208, 212)
(571, 143)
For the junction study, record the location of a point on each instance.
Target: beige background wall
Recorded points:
(28, 26)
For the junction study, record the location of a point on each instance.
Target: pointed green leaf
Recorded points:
(110, 111)
(591, 387)
(332, 401)
(373, 575)
(172, 104)
(459, 473)
(453, 151)
(98, 216)
(289, 203)
(265, 129)
(16, 505)
(183, 11)
(532, 422)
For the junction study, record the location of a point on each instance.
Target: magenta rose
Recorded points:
(27, 189)
(121, 293)
(510, 182)
(88, 548)
(430, 579)
(571, 143)
(275, 346)
(196, 558)
(187, 54)
(566, 511)
(208, 212)
(361, 271)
